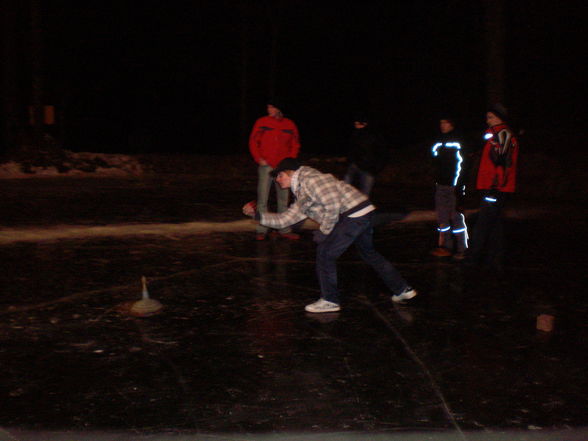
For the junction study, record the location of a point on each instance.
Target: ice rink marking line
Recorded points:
(416, 359)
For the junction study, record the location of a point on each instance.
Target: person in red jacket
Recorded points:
(272, 139)
(496, 180)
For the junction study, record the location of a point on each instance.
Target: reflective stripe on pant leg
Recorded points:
(460, 231)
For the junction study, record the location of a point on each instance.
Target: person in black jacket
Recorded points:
(367, 156)
(449, 170)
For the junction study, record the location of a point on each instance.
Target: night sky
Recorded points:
(154, 76)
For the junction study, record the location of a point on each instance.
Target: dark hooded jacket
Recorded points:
(368, 151)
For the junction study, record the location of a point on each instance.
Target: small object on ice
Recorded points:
(545, 322)
(146, 306)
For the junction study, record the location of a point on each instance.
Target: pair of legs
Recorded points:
(451, 223)
(358, 231)
(488, 239)
(264, 183)
(365, 181)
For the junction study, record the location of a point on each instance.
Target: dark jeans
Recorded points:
(487, 244)
(358, 231)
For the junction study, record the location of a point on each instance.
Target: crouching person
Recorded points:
(344, 215)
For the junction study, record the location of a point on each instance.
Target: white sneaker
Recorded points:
(322, 305)
(407, 294)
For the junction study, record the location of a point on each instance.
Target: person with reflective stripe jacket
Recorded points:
(496, 180)
(449, 169)
(498, 164)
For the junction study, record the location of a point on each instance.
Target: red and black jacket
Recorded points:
(498, 164)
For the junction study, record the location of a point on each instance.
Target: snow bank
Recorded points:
(76, 165)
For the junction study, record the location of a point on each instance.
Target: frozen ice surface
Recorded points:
(233, 351)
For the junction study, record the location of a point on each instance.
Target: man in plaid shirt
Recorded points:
(344, 215)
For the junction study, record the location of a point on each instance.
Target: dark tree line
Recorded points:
(25, 83)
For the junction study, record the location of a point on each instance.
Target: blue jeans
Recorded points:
(358, 231)
(264, 183)
(365, 180)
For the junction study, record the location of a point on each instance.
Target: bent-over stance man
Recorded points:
(497, 181)
(344, 215)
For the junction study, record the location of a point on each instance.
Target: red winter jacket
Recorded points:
(498, 164)
(274, 139)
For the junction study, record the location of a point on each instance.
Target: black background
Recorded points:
(154, 76)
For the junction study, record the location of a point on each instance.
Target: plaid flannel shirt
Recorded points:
(320, 197)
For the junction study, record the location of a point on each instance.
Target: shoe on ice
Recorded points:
(407, 294)
(440, 252)
(322, 305)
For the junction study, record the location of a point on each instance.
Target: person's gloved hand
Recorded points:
(318, 236)
(249, 208)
